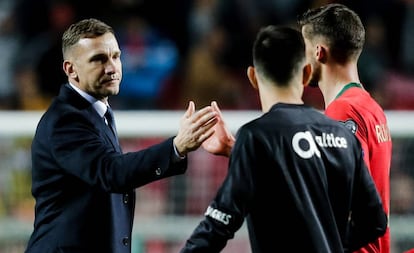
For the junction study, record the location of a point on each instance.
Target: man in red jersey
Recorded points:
(334, 38)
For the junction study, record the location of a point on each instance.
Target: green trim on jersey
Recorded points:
(346, 87)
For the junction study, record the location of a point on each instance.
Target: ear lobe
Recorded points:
(73, 75)
(251, 74)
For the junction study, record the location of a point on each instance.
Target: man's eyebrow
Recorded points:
(98, 56)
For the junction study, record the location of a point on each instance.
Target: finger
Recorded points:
(215, 107)
(203, 137)
(211, 122)
(207, 126)
(203, 111)
(190, 109)
(203, 116)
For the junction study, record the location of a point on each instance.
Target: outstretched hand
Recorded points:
(195, 128)
(222, 141)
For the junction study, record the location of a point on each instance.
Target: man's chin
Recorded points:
(112, 87)
(113, 91)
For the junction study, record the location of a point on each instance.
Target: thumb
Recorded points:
(190, 109)
(215, 107)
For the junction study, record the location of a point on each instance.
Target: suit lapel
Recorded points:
(69, 95)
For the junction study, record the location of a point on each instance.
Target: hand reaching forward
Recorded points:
(222, 141)
(195, 128)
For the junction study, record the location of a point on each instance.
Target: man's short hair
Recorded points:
(339, 26)
(278, 52)
(86, 28)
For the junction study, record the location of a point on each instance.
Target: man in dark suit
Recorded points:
(82, 182)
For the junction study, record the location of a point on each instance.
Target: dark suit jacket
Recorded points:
(83, 184)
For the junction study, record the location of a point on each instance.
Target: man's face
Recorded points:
(97, 67)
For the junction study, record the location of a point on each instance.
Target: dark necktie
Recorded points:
(109, 115)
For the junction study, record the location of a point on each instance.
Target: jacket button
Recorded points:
(158, 171)
(125, 241)
(126, 198)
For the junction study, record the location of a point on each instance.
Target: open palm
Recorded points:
(222, 141)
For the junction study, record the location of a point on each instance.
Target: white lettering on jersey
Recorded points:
(218, 215)
(383, 133)
(329, 140)
(326, 140)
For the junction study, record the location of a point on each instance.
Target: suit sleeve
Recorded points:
(81, 149)
(225, 215)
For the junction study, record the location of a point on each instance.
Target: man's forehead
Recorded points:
(106, 42)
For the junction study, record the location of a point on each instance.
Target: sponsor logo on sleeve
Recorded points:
(351, 125)
(218, 215)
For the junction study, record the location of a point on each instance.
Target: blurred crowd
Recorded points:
(178, 50)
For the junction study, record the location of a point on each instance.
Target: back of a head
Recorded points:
(86, 28)
(278, 53)
(339, 26)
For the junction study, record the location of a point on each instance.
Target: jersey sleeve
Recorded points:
(368, 219)
(225, 214)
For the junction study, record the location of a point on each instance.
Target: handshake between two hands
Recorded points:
(206, 128)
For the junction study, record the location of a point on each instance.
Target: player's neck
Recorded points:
(275, 96)
(336, 78)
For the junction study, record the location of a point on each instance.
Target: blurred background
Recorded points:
(174, 51)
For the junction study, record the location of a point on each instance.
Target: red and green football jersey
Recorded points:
(364, 116)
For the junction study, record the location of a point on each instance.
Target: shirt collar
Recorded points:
(98, 105)
(348, 86)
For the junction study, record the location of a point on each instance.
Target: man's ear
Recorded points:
(251, 74)
(306, 74)
(321, 53)
(69, 70)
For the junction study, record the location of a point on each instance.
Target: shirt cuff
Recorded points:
(177, 157)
